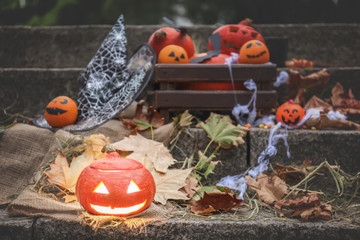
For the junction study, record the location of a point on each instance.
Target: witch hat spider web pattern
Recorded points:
(109, 83)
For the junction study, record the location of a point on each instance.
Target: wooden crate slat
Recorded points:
(214, 72)
(211, 100)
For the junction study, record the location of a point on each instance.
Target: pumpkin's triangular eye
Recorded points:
(182, 56)
(172, 54)
(133, 187)
(101, 188)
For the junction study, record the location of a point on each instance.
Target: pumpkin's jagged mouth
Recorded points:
(117, 211)
(256, 56)
(290, 122)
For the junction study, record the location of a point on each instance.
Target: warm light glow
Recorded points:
(133, 187)
(101, 189)
(117, 211)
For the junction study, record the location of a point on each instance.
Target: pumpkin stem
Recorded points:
(160, 34)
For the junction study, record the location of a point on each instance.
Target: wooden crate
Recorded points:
(167, 98)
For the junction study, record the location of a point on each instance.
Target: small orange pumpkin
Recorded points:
(255, 52)
(61, 111)
(173, 54)
(115, 186)
(290, 113)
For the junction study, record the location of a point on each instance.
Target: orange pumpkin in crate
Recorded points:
(254, 52)
(170, 36)
(209, 58)
(115, 186)
(173, 54)
(61, 111)
(290, 113)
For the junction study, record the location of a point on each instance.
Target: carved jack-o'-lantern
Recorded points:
(255, 52)
(173, 54)
(115, 186)
(61, 111)
(290, 113)
(233, 36)
(170, 36)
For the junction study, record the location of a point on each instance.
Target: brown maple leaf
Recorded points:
(299, 63)
(218, 201)
(309, 200)
(306, 207)
(312, 83)
(324, 122)
(323, 212)
(317, 103)
(270, 188)
(143, 120)
(343, 99)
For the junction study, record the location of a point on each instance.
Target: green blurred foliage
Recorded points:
(142, 12)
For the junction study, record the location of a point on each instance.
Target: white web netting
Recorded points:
(109, 83)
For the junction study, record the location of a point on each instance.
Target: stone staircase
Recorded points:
(39, 63)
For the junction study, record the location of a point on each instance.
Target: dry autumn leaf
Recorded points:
(142, 121)
(299, 63)
(312, 84)
(65, 175)
(144, 149)
(157, 159)
(168, 184)
(191, 186)
(317, 103)
(309, 200)
(322, 212)
(324, 122)
(212, 202)
(269, 188)
(342, 99)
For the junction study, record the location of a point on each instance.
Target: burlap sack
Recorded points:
(22, 149)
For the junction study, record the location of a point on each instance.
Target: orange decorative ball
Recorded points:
(255, 52)
(173, 54)
(61, 111)
(115, 186)
(290, 113)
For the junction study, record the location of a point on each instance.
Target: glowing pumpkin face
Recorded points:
(255, 52)
(61, 111)
(115, 186)
(290, 113)
(234, 36)
(173, 54)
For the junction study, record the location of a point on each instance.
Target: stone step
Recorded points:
(47, 228)
(28, 90)
(330, 45)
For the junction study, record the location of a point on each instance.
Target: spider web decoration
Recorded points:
(109, 83)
